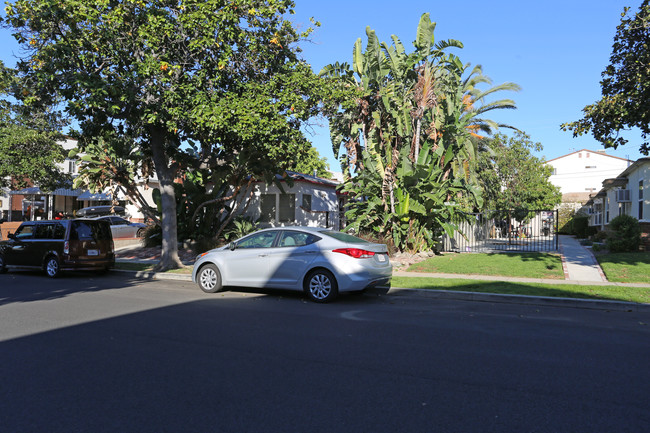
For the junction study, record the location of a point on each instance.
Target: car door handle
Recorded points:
(262, 255)
(19, 247)
(310, 252)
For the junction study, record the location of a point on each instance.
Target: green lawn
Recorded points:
(626, 267)
(629, 294)
(527, 265)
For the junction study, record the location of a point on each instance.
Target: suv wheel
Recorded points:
(52, 268)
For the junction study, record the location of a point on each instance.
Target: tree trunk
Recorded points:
(169, 258)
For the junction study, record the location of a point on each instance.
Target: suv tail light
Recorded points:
(355, 252)
(66, 247)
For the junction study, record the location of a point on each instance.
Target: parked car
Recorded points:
(95, 211)
(123, 228)
(322, 262)
(59, 245)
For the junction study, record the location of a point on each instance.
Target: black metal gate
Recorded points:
(512, 230)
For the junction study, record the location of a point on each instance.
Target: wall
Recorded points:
(324, 205)
(573, 176)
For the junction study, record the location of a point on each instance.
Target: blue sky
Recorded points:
(555, 50)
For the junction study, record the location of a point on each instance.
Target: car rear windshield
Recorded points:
(90, 230)
(344, 237)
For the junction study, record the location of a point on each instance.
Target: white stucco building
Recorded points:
(311, 201)
(581, 173)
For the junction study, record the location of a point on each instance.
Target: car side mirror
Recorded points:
(11, 236)
(232, 246)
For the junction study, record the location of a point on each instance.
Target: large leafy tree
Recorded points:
(513, 178)
(625, 86)
(28, 139)
(408, 136)
(220, 76)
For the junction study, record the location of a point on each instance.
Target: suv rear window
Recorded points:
(87, 230)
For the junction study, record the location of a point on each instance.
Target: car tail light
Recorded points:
(66, 247)
(355, 252)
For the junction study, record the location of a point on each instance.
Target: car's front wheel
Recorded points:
(52, 268)
(209, 279)
(321, 286)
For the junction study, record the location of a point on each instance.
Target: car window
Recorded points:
(89, 230)
(119, 221)
(344, 237)
(25, 232)
(59, 231)
(296, 239)
(258, 240)
(44, 231)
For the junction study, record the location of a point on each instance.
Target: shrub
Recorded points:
(625, 234)
(600, 236)
(152, 236)
(580, 226)
(239, 227)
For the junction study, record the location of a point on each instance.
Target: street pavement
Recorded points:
(114, 353)
(579, 263)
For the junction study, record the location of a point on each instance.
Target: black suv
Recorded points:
(55, 246)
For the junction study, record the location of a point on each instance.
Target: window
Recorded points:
(267, 208)
(258, 240)
(641, 199)
(306, 202)
(72, 166)
(296, 239)
(44, 231)
(287, 208)
(606, 211)
(580, 155)
(25, 232)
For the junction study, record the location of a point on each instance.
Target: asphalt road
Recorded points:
(88, 353)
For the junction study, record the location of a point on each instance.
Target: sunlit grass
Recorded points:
(526, 265)
(626, 267)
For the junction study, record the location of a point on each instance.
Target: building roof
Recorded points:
(300, 177)
(614, 182)
(639, 162)
(575, 197)
(599, 152)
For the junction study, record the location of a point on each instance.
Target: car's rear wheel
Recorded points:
(140, 233)
(3, 266)
(321, 286)
(52, 268)
(209, 279)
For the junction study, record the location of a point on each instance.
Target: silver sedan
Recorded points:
(321, 262)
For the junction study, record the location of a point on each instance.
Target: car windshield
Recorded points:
(344, 237)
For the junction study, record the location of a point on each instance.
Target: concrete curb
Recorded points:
(591, 304)
(157, 275)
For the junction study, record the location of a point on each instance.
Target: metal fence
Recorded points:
(514, 230)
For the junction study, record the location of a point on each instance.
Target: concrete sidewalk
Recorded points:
(579, 263)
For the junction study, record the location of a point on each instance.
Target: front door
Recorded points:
(248, 263)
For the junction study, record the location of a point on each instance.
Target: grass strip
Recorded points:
(626, 267)
(527, 265)
(610, 293)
